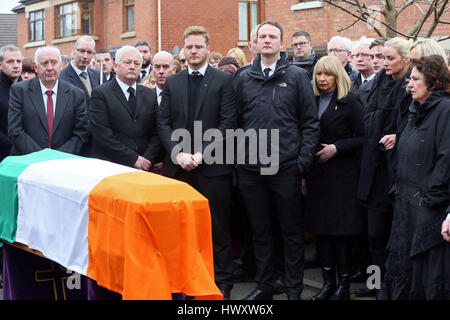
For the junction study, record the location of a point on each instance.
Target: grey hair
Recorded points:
(124, 49)
(363, 42)
(8, 48)
(84, 38)
(347, 42)
(38, 51)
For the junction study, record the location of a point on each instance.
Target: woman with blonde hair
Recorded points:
(239, 55)
(385, 118)
(427, 47)
(332, 211)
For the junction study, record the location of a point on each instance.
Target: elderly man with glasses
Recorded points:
(77, 71)
(364, 58)
(341, 48)
(304, 55)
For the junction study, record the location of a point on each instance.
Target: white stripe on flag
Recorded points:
(53, 207)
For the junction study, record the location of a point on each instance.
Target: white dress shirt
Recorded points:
(125, 87)
(272, 68)
(54, 95)
(202, 70)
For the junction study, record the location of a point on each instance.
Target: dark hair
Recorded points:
(273, 23)
(228, 60)
(378, 42)
(302, 33)
(102, 50)
(435, 72)
(143, 43)
(27, 66)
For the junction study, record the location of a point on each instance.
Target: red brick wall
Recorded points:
(219, 17)
(323, 23)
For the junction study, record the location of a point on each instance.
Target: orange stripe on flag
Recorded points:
(150, 236)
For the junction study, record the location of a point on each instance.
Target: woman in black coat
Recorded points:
(418, 264)
(332, 210)
(387, 106)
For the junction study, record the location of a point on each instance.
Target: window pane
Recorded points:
(74, 23)
(86, 23)
(243, 21)
(39, 30)
(32, 31)
(130, 18)
(129, 1)
(39, 14)
(32, 18)
(254, 20)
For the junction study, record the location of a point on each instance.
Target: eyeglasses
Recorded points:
(83, 51)
(300, 44)
(336, 50)
(363, 55)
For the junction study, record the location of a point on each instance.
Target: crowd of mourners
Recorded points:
(363, 148)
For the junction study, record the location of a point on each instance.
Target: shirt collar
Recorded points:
(147, 70)
(124, 86)
(44, 89)
(272, 66)
(368, 78)
(202, 70)
(78, 71)
(158, 91)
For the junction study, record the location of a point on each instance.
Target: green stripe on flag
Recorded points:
(10, 169)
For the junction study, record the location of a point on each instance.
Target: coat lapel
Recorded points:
(185, 94)
(38, 101)
(206, 83)
(139, 104)
(120, 95)
(61, 102)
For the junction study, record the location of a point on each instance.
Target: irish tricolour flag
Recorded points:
(136, 233)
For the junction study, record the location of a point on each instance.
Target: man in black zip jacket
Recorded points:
(276, 96)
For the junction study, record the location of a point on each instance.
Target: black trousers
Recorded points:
(264, 197)
(334, 251)
(218, 192)
(379, 229)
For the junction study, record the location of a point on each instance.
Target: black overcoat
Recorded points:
(332, 207)
(419, 258)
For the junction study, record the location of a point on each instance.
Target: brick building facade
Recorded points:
(162, 22)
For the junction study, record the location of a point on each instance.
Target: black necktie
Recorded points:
(143, 73)
(196, 74)
(266, 72)
(83, 75)
(132, 99)
(364, 81)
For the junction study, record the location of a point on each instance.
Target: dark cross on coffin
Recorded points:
(56, 275)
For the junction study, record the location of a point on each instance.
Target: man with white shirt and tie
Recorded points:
(364, 58)
(122, 115)
(77, 71)
(46, 112)
(146, 52)
(201, 95)
(163, 66)
(275, 96)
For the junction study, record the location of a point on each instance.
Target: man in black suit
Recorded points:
(205, 95)
(11, 68)
(122, 115)
(45, 112)
(102, 57)
(163, 66)
(78, 72)
(146, 51)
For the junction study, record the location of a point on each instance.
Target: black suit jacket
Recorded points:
(117, 134)
(27, 120)
(69, 75)
(215, 107)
